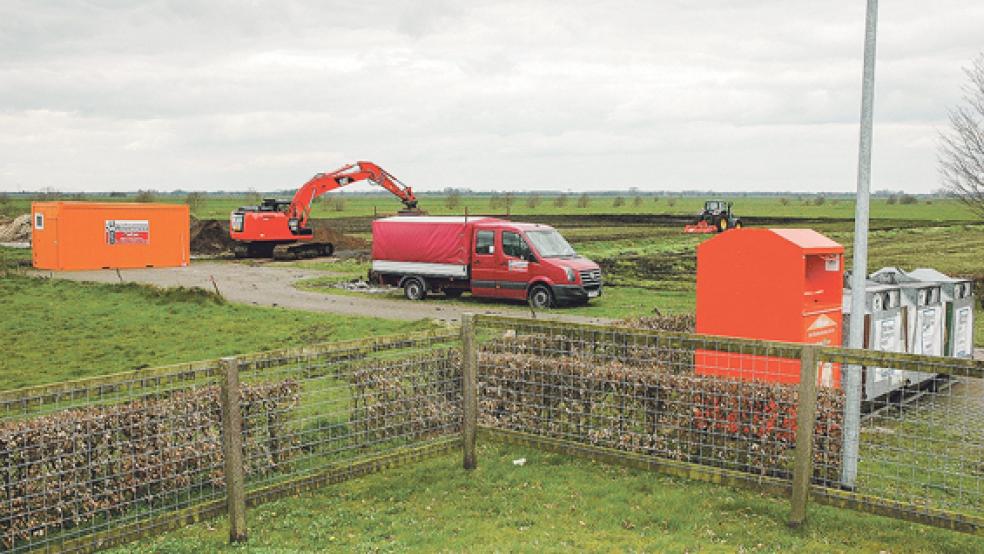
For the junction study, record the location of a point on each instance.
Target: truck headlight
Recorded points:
(571, 276)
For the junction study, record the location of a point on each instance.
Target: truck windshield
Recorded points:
(550, 244)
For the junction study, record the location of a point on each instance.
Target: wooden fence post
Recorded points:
(469, 389)
(232, 450)
(806, 418)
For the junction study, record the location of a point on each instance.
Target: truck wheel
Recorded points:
(414, 288)
(540, 297)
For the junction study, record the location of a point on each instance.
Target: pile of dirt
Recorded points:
(324, 231)
(18, 230)
(209, 236)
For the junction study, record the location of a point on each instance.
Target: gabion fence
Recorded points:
(737, 411)
(99, 462)
(921, 447)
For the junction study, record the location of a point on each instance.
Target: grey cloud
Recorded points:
(211, 95)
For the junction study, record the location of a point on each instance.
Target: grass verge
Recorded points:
(54, 330)
(552, 503)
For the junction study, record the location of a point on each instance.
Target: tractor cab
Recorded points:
(717, 206)
(716, 217)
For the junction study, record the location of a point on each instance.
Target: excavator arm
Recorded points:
(300, 206)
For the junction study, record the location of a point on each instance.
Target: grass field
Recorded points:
(55, 330)
(218, 207)
(650, 268)
(551, 504)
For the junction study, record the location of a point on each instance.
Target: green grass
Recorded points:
(553, 503)
(219, 207)
(53, 330)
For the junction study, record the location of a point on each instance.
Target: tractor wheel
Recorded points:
(722, 225)
(414, 288)
(540, 297)
(737, 224)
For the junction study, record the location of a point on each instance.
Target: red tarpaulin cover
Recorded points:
(437, 240)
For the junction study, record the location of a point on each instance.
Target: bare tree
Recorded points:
(453, 200)
(149, 195)
(195, 201)
(961, 150)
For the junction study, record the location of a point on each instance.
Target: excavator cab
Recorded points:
(273, 205)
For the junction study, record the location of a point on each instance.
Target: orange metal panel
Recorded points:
(97, 235)
(769, 284)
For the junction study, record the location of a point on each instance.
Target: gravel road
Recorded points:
(271, 284)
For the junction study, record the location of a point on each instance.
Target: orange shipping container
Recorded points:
(109, 235)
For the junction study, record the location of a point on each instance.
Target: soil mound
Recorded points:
(324, 232)
(18, 230)
(210, 237)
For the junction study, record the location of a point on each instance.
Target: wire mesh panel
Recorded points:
(93, 463)
(351, 406)
(921, 446)
(712, 402)
(82, 460)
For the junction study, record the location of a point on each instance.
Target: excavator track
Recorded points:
(302, 251)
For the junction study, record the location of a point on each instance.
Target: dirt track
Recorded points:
(271, 284)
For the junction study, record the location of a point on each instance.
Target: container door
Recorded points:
(963, 330)
(483, 263)
(44, 239)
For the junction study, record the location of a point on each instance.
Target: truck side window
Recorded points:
(484, 242)
(514, 245)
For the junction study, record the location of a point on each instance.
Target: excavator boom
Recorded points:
(300, 206)
(278, 226)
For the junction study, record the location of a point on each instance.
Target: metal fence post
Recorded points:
(469, 389)
(232, 449)
(806, 418)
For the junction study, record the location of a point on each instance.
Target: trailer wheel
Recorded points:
(414, 288)
(540, 297)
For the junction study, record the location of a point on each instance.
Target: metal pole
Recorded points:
(859, 268)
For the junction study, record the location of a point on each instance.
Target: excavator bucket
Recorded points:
(700, 227)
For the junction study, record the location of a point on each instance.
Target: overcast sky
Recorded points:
(763, 95)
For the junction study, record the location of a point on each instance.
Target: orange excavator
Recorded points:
(279, 228)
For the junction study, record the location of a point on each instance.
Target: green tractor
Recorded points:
(716, 217)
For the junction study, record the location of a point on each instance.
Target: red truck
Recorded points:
(486, 256)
